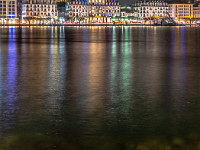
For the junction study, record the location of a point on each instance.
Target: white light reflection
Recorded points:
(54, 83)
(113, 63)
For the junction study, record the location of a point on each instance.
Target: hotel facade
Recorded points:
(8, 11)
(94, 11)
(181, 11)
(150, 9)
(39, 11)
(196, 12)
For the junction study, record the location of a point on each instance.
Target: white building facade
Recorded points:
(8, 11)
(181, 11)
(150, 9)
(196, 12)
(39, 11)
(127, 15)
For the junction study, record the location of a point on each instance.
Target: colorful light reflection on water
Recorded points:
(115, 87)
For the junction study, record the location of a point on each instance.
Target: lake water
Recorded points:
(107, 88)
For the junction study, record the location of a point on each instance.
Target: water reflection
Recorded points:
(102, 83)
(9, 83)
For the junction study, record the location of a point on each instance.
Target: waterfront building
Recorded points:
(196, 12)
(39, 11)
(8, 11)
(127, 15)
(181, 12)
(103, 10)
(61, 6)
(19, 10)
(60, 1)
(94, 11)
(150, 9)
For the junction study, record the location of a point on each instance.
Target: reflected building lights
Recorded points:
(62, 44)
(183, 62)
(126, 66)
(126, 44)
(12, 62)
(95, 76)
(85, 80)
(177, 74)
(172, 51)
(54, 74)
(140, 44)
(155, 49)
(114, 42)
(183, 44)
(11, 85)
(113, 63)
(120, 72)
(85, 39)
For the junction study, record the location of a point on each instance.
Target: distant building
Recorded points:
(97, 11)
(62, 12)
(150, 9)
(103, 11)
(127, 11)
(196, 11)
(19, 10)
(127, 14)
(180, 11)
(8, 11)
(39, 11)
(59, 1)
